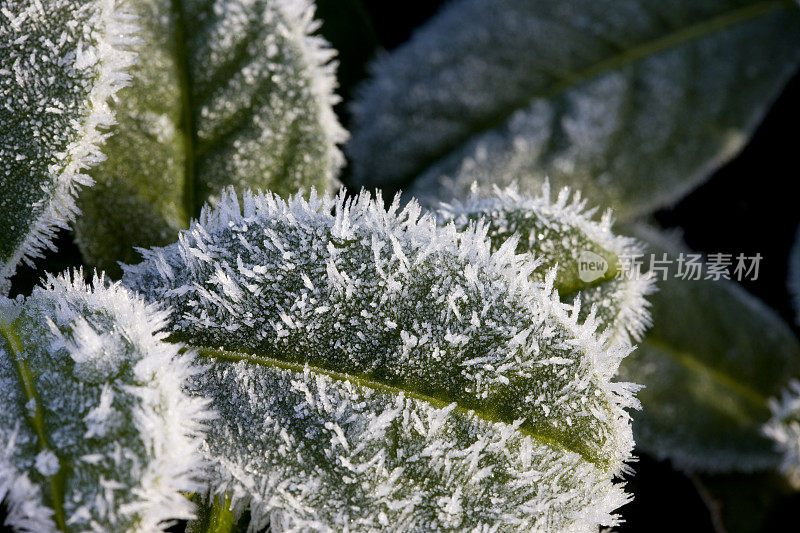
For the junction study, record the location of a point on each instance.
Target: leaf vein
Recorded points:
(228, 355)
(569, 81)
(36, 421)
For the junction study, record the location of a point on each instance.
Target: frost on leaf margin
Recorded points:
(235, 93)
(96, 433)
(562, 234)
(784, 425)
(60, 63)
(634, 105)
(429, 342)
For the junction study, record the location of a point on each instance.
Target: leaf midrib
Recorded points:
(25, 375)
(691, 363)
(189, 199)
(650, 48)
(234, 356)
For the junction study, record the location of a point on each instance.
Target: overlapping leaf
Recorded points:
(373, 369)
(60, 62)
(233, 92)
(709, 364)
(631, 102)
(95, 433)
(591, 262)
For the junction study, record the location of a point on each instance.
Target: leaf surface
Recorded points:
(226, 93)
(633, 103)
(95, 431)
(60, 62)
(375, 369)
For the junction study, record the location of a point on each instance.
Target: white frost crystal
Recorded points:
(96, 434)
(60, 63)
(561, 234)
(374, 369)
(784, 429)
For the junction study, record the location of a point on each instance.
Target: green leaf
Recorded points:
(215, 516)
(709, 364)
(633, 103)
(226, 93)
(373, 369)
(591, 263)
(95, 431)
(60, 63)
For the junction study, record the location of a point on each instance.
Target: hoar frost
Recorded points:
(784, 429)
(233, 92)
(97, 434)
(559, 233)
(634, 103)
(374, 346)
(60, 63)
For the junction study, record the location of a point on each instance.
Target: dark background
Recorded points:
(748, 206)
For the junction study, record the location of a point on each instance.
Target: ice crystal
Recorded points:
(60, 63)
(362, 355)
(784, 429)
(562, 234)
(233, 92)
(325, 453)
(633, 103)
(96, 434)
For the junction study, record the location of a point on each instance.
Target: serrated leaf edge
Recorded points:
(115, 57)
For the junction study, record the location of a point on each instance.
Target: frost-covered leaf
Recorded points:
(60, 62)
(590, 261)
(95, 433)
(372, 369)
(713, 357)
(632, 102)
(227, 92)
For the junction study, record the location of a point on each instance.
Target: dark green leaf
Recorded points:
(633, 103)
(709, 364)
(60, 62)
(225, 93)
